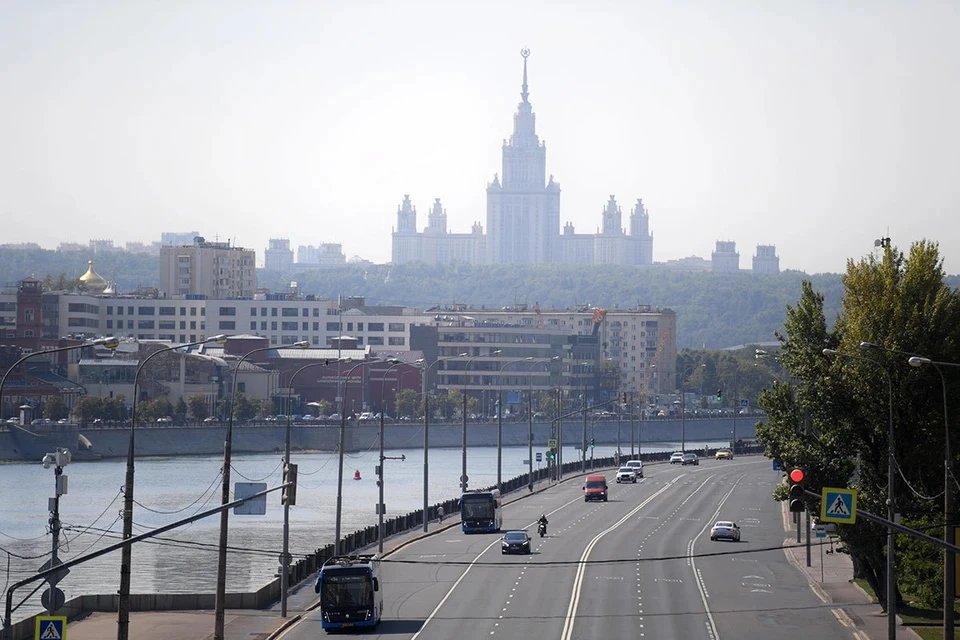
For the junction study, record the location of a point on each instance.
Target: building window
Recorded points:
(397, 341)
(109, 311)
(168, 311)
(253, 311)
(183, 325)
(305, 326)
(119, 311)
(375, 340)
(263, 326)
(359, 326)
(305, 313)
(130, 311)
(273, 312)
(129, 324)
(253, 325)
(183, 311)
(193, 325)
(316, 312)
(193, 311)
(146, 311)
(228, 325)
(145, 324)
(396, 326)
(288, 326)
(273, 326)
(109, 324)
(167, 324)
(29, 315)
(228, 311)
(316, 326)
(241, 387)
(333, 326)
(349, 326)
(375, 326)
(289, 312)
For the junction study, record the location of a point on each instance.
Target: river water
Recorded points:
(169, 489)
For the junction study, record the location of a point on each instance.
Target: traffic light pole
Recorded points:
(807, 511)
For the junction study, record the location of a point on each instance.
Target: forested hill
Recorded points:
(713, 310)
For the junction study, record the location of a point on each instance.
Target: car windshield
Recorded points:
(689, 455)
(595, 484)
(634, 463)
(724, 525)
(515, 536)
(677, 455)
(626, 470)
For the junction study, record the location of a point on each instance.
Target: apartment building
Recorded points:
(208, 269)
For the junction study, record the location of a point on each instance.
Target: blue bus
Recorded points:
(350, 595)
(481, 511)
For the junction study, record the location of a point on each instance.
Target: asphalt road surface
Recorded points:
(640, 565)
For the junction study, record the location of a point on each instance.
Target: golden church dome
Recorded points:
(92, 279)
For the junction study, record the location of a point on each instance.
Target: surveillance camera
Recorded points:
(48, 460)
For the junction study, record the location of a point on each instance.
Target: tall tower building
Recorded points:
(523, 212)
(278, 256)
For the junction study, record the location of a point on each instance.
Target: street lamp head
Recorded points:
(918, 361)
(219, 339)
(303, 344)
(462, 355)
(496, 352)
(830, 352)
(870, 345)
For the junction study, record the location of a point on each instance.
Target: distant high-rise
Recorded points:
(278, 256)
(766, 260)
(208, 269)
(725, 258)
(523, 216)
(176, 239)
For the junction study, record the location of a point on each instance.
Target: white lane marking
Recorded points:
(467, 570)
(581, 567)
(701, 587)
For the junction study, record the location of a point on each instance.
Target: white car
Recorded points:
(636, 465)
(726, 530)
(676, 457)
(626, 474)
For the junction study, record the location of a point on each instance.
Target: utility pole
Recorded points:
(53, 597)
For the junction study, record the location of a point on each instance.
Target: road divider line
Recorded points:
(701, 587)
(568, 622)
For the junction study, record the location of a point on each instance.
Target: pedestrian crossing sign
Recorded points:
(838, 505)
(51, 628)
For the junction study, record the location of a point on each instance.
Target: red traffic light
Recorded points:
(797, 475)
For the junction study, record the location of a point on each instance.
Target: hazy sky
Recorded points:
(817, 126)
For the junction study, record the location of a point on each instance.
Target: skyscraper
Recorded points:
(523, 216)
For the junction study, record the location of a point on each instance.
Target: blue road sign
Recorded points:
(838, 505)
(539, 457)
(51, 628)
(776, 465)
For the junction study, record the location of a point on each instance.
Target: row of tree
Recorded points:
(832, 414)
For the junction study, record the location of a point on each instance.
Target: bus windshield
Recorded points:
(475, 508)
(349, 589)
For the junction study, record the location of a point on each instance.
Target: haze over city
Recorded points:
(817, 128)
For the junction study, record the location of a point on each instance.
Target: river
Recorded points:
(170, 489)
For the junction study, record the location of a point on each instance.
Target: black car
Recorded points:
(515, 542)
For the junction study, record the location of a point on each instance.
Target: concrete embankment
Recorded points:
(111, 441)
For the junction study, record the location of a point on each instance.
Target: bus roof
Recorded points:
(351, 561)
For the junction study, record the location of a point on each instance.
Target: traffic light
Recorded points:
(551, 454)
(719, 395)
(797, 477)
(592, 443)
(289, 494)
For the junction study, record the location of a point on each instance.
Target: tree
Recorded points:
(151, 410)
(180, 410)
(199, 406)
(266, 408)
(408, 404)
(833, 414)
(56, 408)
(245, 408)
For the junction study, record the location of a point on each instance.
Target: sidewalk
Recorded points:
(830, 580)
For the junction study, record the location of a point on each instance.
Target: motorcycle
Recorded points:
(542, 529)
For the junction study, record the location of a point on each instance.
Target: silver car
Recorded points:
(726, 530)
(626, 474)
(676, 457)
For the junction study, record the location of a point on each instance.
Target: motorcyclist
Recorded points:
(543, 522)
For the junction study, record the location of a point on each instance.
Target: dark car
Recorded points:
(515, 542)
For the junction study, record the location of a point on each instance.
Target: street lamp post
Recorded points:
(683, 406)
(219, 604)
(285, 554)
(110, 343)
(529, 424)
(340, 447)
(500, 417)
(949, 568)
(380, 505)
(126, 562)
(426, 433)
(463, 442)
(891, 509)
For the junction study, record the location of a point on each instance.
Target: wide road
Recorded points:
(640, 565)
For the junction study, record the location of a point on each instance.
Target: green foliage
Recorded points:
(199, 406)
(150, 410)
(408, 404)
(89, 408)
(834, 414)
(920, 564)
(245, 408)
(55, 408)
(268, 407)
(180, 410)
